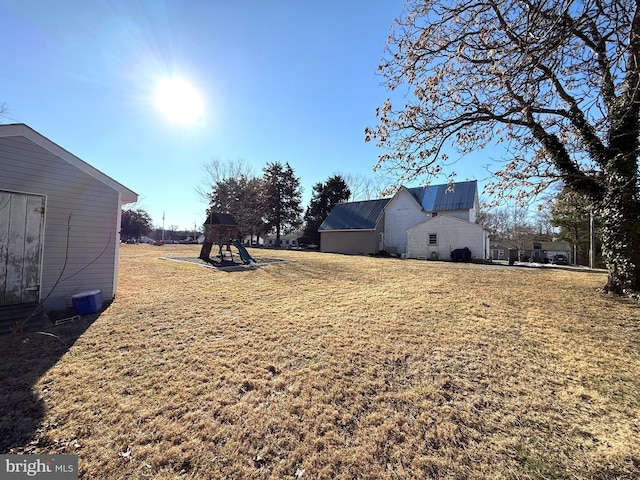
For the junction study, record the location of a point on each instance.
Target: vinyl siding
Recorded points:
(401, 213)
(473, 213)
(452, 234)
(461, 214)
(75, 201)
(354, 242)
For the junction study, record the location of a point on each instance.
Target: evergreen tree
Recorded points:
(282, 197)
(241, 197)
(134, 223)
(253, 213)
(571, 213)
(325, 197)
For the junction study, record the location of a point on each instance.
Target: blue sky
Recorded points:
(280, 80)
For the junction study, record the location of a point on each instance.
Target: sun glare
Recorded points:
(179, 101)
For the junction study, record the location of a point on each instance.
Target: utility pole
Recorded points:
(592, 250)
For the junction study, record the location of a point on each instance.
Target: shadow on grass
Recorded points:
(24, 358)
(547, 266)
(224, 265)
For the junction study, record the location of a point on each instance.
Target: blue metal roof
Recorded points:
(454, 196)
(433, 198)
(355, 215)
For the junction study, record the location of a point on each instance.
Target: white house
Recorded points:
(406, 223)
(411, 206)
(289, 240)
(59, 222)
(438, 236)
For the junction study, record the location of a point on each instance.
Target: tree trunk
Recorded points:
(619, 213)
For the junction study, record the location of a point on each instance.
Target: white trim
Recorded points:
(406, 190)
(42, 245)
(116, 256)
(22, 192)
(434, 219)
(350, 230)
(42, 232)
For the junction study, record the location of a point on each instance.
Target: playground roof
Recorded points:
(221, 219)
(355, 215)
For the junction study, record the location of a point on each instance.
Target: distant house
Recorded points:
(253, 240)
(429, 221)
(354, 228)
(59, 222)
(501, 251)
(286, 241)
(537, 251)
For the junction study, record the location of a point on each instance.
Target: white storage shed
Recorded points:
(59, 222)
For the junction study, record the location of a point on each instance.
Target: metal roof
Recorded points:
(355, 215)
(448, 196)
(433, 198)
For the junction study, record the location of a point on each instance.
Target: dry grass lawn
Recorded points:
(334, 367)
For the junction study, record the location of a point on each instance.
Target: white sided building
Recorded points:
(429, 221)
(438, 236)
(59, 223)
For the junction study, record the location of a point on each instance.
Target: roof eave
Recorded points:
(22, 130)
(349, 230)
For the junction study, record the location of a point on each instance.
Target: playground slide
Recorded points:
(244, 255)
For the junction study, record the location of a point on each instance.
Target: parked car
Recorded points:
(461, 255)
(559, 260)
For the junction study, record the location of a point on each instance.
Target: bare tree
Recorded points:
(557, 80)
(511, 226)
(366, 187)
(217, 170)
(542, 222)
(244, 198)
(172, 230)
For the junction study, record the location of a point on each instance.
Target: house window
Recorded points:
(433, 239)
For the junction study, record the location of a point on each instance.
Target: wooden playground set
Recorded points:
(221, 229)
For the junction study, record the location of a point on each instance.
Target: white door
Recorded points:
(21, 226)
(381, 242)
